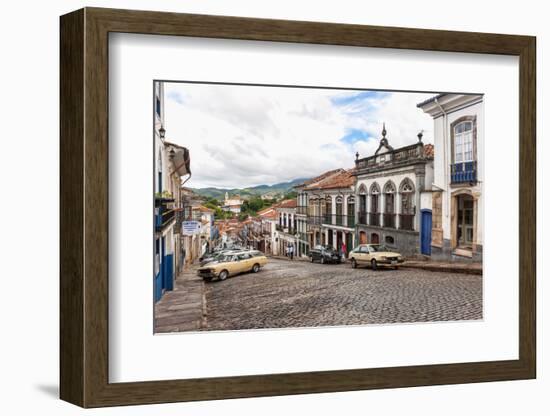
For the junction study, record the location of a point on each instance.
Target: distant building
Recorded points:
(457, 204)
(269, 218)
(286, 233)
(393, 190)
(326, 211)
(232, 204)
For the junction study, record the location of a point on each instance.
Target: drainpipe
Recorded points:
(445, 153)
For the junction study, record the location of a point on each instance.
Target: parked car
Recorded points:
(231, 264)
(374, 255)
(324, 254)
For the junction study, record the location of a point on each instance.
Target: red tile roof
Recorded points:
(320, 177)
(429, 150)
(338, 178)
(287, 203)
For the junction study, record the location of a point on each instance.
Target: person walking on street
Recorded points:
(291, 251)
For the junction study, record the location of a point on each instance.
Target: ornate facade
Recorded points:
(393, 196)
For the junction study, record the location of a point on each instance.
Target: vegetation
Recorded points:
(278, 188)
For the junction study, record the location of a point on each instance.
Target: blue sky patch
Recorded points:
(176, 96)
(356, 135)
(355, 97)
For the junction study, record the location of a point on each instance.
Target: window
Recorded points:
(157, 106)
(389, 240)
(463, 142)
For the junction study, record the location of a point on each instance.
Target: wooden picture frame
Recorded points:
(84, 207)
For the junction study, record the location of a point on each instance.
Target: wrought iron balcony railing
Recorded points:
(406, 222)
(374, 219)
(164, 215)
(464, 172)
(389, 220)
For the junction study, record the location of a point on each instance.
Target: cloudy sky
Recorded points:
(241, 136)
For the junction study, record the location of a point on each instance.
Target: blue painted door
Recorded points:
(426, 232)
(158, 276)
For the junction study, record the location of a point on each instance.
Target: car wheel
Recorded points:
(256, 268)
(223, 275)
(373, 264)
(353, 264)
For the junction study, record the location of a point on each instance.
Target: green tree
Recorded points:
(290, 195)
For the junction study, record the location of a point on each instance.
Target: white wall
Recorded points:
(442, 132)
(29, 358)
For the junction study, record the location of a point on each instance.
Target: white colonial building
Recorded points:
(393, 196)
(286, 227)
(232, 204)
(458, 175)
(172, 162)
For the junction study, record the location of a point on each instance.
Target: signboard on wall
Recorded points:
(190, 227)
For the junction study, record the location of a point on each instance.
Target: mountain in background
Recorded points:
(259, 190)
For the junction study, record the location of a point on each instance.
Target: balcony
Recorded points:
(406, 222)
(398, 157)
(465, 172)
(287, 230)
(164, 215)
(339, 220)
(389, 220)
(374, 219)
(314, 220)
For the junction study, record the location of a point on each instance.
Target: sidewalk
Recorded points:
(434, 266)
(184, 308)
(447, 267)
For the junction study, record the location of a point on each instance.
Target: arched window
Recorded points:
(328, 210)
(463, 142)
(389, 204)
(362, 211)
(406, 216)
(374, 205)
(351, 212)
(339, 210)
(463, 150)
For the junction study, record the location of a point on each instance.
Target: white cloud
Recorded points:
(241, 136)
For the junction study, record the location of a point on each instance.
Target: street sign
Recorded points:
(190, 227)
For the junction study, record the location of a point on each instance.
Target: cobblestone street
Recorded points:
(302, 294)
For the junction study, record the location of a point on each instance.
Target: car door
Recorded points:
(234, 265)
(364, 256)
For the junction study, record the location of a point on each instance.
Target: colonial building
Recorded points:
(457, 203)
(393, 196)
(286, 228)
(172, 162)
(232, 204)
(269, 219)
(326, 211)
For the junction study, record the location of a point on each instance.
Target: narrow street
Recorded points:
(302, 294)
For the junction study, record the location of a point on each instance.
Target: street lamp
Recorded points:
(162, 132)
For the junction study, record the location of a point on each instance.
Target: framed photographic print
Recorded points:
(255, 207)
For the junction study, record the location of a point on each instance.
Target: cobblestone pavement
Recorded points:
(298, 294)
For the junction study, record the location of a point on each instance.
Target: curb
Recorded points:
(444, 268)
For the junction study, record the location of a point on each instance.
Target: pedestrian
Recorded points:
(343, 250)
(291, 249)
